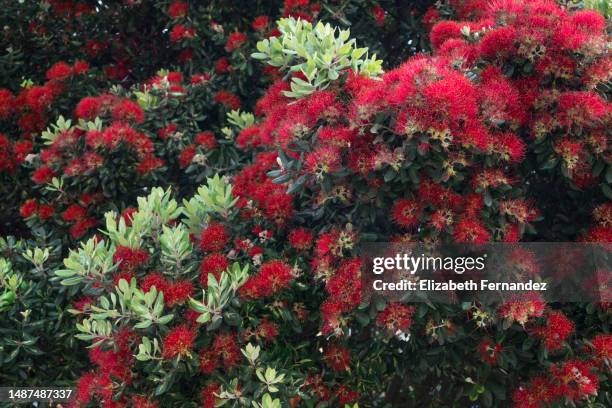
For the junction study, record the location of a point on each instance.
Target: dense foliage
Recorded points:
(37, 333)
(214, 251)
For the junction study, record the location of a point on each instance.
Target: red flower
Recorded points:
(178, 293)
(337, 358)
(21, 150)
(557, 329)
(43, 175)
(210, 395)
(45, 211)
(80, 67)
(499, 43)
(84, 388)
(278, 208)
(538, 393)
(214, 263)
(186, 156)
(273, 276)
(39, 98)
(344, 288)
(489, 351)
(222, 66)
(471, 230)
(346, 395)
(443, 31)
(127, 215)
(129, 111)
(139, 401)
(235, 41)
(88, 108)
(154, 279)
(178, 9)
(323, 160)
(130, 258)
(227, 99)
(508, 146)
(315, 384)
(167, 131)
(599, 234)
(575, 380)
(379, 15)
(300, 239)
(406, 213)
(93, 47)
(207, 140)
(6, 103)
(266, 330)
(74, 213)
(260, 23)
(209, 360)
(213, 238)
(28, 208)
(174, 77)
(79, 229)
(396, 317)
(226, 347)
(602, 346)
(178, 342)
(431, 17)
(180, 32)
(197, 79)
(521, 309)
(581, 109)
(59, 71)
(83, 303)
(148, 164)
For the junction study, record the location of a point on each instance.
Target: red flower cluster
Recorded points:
(100, 384)
(261, 23)
(602, 347)
(259, 196)
(12, 154)
(128, 258)
(224, 350)
(521, 309)
(557, 329)
(574, 380)
(344, 289)
(180, 32)
(214, 264)
(300, 239)
(178, 342)
(235, 41)
(75, 152)
(213, 238)
(337, 357)
(204, 142)
(489, 351)
(30, 107)
(210, 395)
(228, 99)
(266, 331)
(396, 318)
(379, 15)
(569, 51)
(273, 276)
(175, 293)
(77, 215)
(178, 9)
(111, 106)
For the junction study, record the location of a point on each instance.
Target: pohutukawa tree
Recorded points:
(249, 291)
